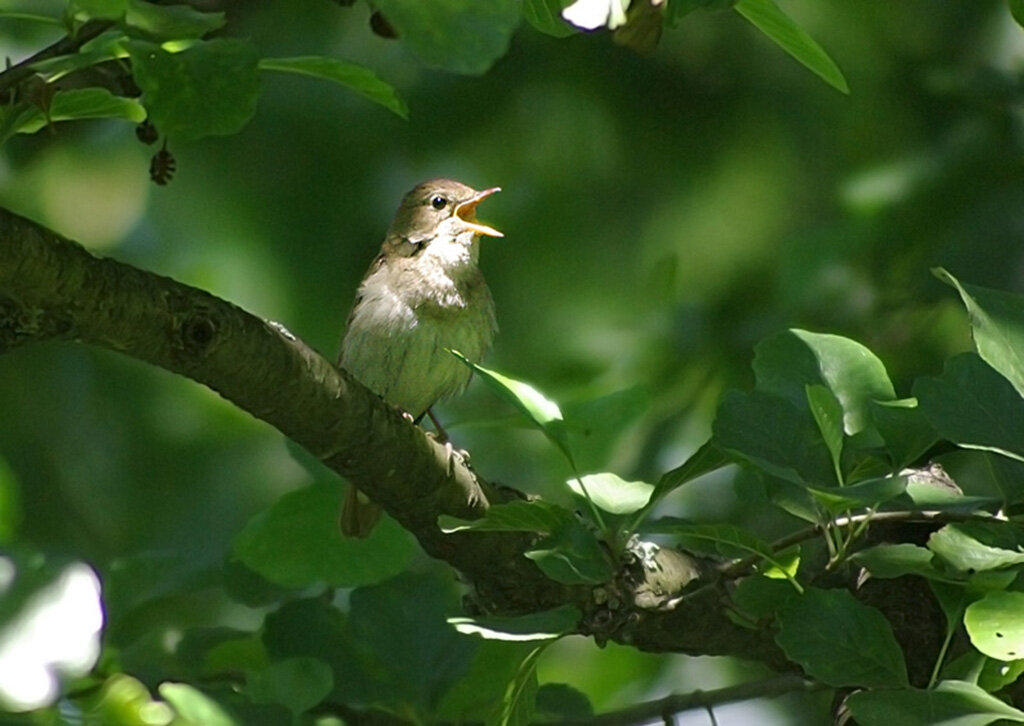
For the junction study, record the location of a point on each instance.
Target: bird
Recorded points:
(422, 297)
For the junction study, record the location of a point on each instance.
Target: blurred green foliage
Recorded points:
(662, 213)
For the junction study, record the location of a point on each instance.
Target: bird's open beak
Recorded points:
(467, 213)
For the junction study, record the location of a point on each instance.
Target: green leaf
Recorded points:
(595, 426)
(828, 414)
(759, 596)
(10, 504)
(612, 493)
(862, 494)
(209, 89)
(32, 18)
(772, 434)
(572, 555)
(766, 16)
(516, 707)
(973, 406)
(540, 410)
(841, 641)
(519, 516)
(1017, 11)
(786, 363)
(298, 684)
(83, 103)
(194, 706)
(904, 428)
(953, 703)
(704, 460)
(545, 625)
(562, 702)
(464, 36)
(171, 22)
(474, 696)
(296, 543)
(896, 560)
(354, 77)
(546, 16)
(997, 325)
(976, 547)
(97, 9)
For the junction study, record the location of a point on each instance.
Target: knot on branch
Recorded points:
(197, 331)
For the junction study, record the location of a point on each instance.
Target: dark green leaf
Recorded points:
(516, 707)
(761, 597)
(976, 547)
(560, 701)
(171, 22)
(296, 543)
(997, 325)
(766, 16)
(97, 9)
(706, 459)
(972, 405)
(545, 625)
(995, 624)
(474, 696)
(1017, 11)
(828, 415)
(772, 434)
(208, 89)
(464, 36)
(862, 494)
(546, 16)
(786, 363)
(572, 555)
(841, 641)
(950, 702)
(520, 516)
(904, 428)
(354, 77)
(897, 560)
(298, 684)
(612, 493)
(32, 18)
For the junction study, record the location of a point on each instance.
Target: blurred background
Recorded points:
(663, 213)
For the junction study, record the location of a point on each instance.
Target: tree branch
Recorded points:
(53, 289)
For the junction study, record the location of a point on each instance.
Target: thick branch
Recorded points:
(51, 288)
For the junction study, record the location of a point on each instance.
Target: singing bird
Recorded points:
(423, 296)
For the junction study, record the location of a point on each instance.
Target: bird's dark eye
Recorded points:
(438, 202)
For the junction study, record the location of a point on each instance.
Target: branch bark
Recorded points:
(53, 289)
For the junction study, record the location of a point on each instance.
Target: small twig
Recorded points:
(17, 73)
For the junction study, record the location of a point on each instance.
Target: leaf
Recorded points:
(759, 596)
(83, 103)
(540, 410)
(97, 9)
(997, 324)
(474, 696)
(209, 89)
(171, 22)
(841, 641)
(904, 428)
(973, 406)
(975, 548)
(516, 707)
(562, 702)
(896, 560)
(296, 543)
(298, 684)
(32, 18)
(572, 555)
(354, 77)
(786, 363)
(706, 459)
(612, 493)
(862, 494)
(520, 516)
(772, 434)
(995, 624)
(546, 16)
(1017, 11)
(595, 426)
(766, 16)
(545, 625)
(194, 706)
(464, 36)
(828, 414)
(953, 703)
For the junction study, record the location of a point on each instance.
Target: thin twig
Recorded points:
(17, 73)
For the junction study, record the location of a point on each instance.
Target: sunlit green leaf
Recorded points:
(976, 547)
(840, 641)
(612, 493)
(83, 103)
(97, 9)
(171, 22)
(766, 16)
(544, 625)
(354, 77)
(194, 706)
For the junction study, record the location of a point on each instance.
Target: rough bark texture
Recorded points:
(51, 288)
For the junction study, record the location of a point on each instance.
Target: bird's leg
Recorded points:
(442, 435)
